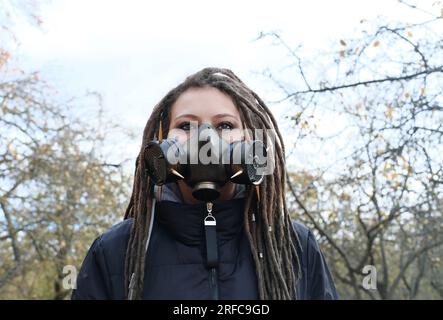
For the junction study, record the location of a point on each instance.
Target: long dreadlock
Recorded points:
(266, 219)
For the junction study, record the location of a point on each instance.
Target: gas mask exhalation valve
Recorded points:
(206, 162)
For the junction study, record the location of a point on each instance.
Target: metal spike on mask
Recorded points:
(176, 173)
(239, 172)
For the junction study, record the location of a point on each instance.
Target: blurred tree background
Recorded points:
(57, 190)
(379, 203)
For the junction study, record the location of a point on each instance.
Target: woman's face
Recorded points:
(205, 105)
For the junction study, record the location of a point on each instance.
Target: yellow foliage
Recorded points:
(389, 112)
(4, 57)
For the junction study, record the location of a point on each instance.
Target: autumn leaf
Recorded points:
(376, 43)
(386, 166)
(4, 57)
(345, 197)
(342, 42)
(12, 151)
(389, 111)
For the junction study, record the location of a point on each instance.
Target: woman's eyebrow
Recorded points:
(187, 115)
(221, 115)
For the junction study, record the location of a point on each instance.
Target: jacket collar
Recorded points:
(171, 192)
(185, 221)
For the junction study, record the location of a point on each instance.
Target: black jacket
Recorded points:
(175, 263)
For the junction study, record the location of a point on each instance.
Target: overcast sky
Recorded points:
(133, 52)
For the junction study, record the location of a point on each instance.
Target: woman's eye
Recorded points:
(186, 126)
(225, 126)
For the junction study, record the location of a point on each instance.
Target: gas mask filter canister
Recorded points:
(206, 162)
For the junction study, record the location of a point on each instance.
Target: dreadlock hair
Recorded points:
(267, 223)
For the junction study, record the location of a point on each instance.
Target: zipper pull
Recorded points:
(210, 219)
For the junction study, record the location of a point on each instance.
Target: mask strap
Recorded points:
(210, 224)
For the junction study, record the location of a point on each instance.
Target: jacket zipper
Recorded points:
(210, 224)
(213, 283)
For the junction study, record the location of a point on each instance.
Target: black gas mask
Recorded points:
(206, 162)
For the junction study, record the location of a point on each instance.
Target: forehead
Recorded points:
(203, 102)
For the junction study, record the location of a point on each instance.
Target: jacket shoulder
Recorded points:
(117, 233)
(113, 243)
(303, 233)
(104, 264)
(317, 281)
(300, 228)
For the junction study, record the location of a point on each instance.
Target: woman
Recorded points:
(158, 251)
